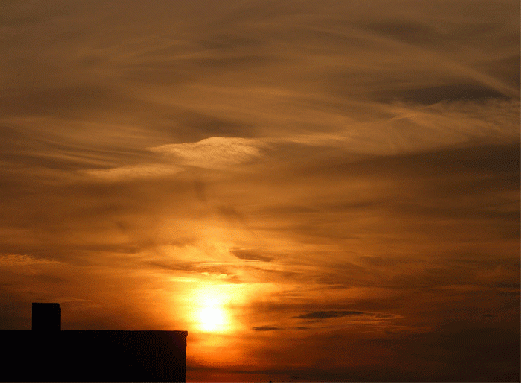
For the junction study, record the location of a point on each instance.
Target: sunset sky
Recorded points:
(315, 190)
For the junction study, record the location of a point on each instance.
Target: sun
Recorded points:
(212, 318)
(211, 308)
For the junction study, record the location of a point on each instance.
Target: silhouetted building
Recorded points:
(46, 317)
(90, 355)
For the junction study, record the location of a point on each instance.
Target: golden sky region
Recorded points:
(314, 190)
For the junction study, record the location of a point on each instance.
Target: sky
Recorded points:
(314, 190)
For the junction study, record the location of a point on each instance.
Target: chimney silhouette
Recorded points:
(46, 317)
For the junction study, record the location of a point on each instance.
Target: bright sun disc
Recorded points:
(211, 310)
(212, 318)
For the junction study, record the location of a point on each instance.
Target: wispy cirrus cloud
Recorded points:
(214, 152)
(267, 328)
(144, 171)
(251, 255)
(330, 314)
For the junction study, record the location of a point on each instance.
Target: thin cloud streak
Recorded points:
(213, 152)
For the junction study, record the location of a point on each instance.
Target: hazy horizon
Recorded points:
(314, 190)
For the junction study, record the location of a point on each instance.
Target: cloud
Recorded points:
(410, 31)
(267, 328)
(436, 94)
(214, 152)
(221, 272)
(63, 101)
(23, 260)
(211, 153)
(330, 314)
(200, 126)
(250, 255)
(135, 172)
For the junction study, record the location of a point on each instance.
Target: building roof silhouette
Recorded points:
(48, 354)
